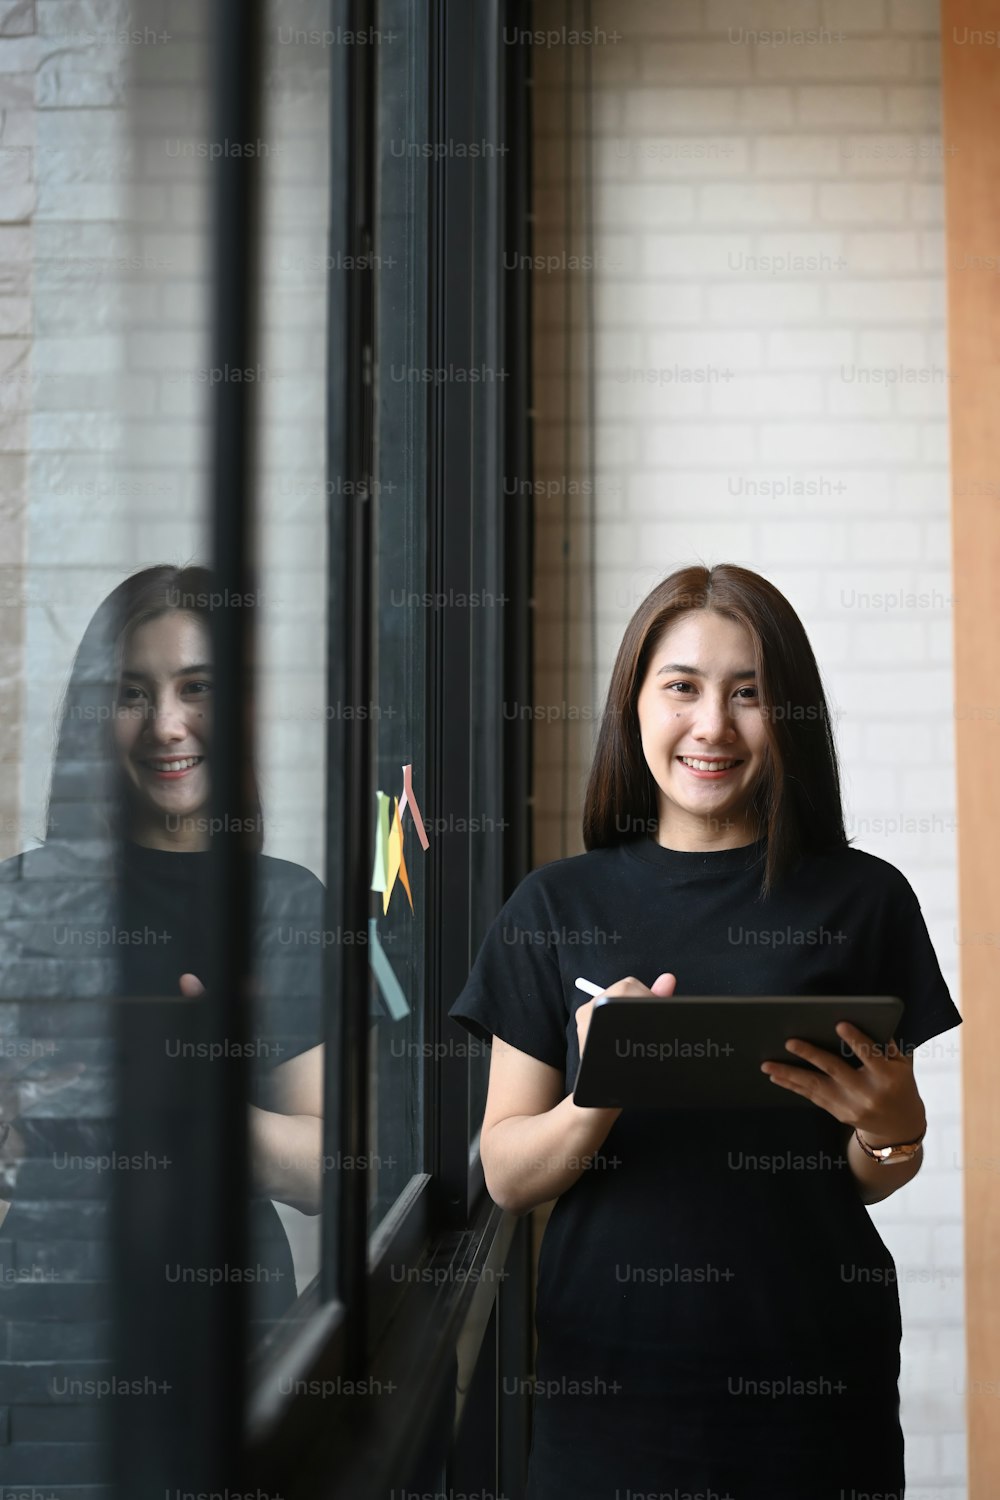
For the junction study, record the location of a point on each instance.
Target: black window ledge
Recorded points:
(322, 1432)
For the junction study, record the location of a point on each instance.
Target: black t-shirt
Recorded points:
(704, 1245)
(73, 929)
(165, 902)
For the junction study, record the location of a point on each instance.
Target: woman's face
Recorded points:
(699, 701)
(162, 728)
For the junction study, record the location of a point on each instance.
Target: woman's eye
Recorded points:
(740, 692)
(198, 688)
(129, 695)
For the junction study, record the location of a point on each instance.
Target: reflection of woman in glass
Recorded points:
(115, 902)
(716, 1312)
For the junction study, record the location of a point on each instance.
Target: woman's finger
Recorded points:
(827, 1062)
(864, 1047)
(817, 1090)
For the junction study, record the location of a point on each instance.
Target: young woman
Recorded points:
(716, 1312)
(117, 902)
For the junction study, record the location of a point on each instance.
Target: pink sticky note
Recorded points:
(408, 797)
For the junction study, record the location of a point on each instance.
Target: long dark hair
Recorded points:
(797, 798)
(87, 798)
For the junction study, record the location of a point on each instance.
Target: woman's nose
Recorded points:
(165, 722)
(714, 720)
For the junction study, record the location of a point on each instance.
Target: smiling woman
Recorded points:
(162, 730)
(759, 1356)
(139, 701)
(702, 731)
(117, 903)
(716, 663)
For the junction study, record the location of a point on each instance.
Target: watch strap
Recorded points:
(887, 1155)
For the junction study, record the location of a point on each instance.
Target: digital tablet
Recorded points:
(705, 1051)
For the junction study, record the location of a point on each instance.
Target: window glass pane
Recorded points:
(105, 632)
(286, 1120)
(400, 543)
(105, 475)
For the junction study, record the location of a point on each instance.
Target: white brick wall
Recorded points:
(16, 141)
(94, 159)
(710, 151)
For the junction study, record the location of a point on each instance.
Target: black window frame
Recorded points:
(422, 1339)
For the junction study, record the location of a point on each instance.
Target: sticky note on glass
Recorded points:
(397, 863)
(408, 799)
(402, 863)
(389, 986)
(380, 868)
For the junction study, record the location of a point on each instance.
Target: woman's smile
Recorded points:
(702, 767)
(172, 768)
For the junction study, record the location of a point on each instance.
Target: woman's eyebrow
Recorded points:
(200, 666)
(676, 666)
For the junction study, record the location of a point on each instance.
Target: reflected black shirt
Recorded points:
(71, 932)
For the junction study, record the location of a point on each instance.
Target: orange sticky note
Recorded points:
(397, 863)
(402, 867)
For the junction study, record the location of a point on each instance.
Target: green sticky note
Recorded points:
(380, 868)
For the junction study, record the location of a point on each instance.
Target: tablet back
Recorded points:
(705, 1051)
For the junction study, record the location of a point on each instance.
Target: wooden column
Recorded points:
(971, 140)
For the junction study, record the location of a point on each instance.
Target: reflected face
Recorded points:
(699, 703)
(162, 726)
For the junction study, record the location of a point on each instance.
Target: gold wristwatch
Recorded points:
(887, 1155)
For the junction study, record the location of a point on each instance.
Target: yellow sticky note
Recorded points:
(394, 846)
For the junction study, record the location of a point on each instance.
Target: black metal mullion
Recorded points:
(237, 46)
(356, 744)
(449, 528)
(518, 513)
(338, 625)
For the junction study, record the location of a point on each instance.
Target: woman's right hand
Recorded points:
(664, 985)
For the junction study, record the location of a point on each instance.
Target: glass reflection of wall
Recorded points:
(297, 246)
(111, 262)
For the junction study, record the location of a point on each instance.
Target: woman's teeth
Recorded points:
(175, 765)
(709, 765)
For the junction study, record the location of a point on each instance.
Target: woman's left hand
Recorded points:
(880, 1098)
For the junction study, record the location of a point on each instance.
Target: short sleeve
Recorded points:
(515, 988)
(288, 1006)
(914, 974)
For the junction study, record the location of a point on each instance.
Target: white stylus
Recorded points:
(589, 988)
